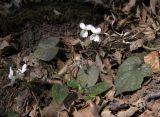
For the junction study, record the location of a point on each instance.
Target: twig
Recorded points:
(151, 49)
(152, 96)
(36, 102)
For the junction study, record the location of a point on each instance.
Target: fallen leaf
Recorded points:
(51, 110)
(90, 111)
(31, 60)
(147, 113)
(117, 56)
(96, 2)
(153, 60)
(99, 64)
(63, 114)
(136, 44)
(146, 29)
(128, 113)
(109, 76)
(107, 113)
(131, 74)
(34, 112)
(153, 6)
(129, 6)
(4, 44)
(56, 12)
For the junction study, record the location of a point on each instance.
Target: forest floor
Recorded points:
(114, 72)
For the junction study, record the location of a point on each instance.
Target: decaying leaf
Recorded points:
(47, 49)
(34, 112)
(3, 44)
(136, 44)
(51, 110)
(109, 76)
(90, 111)
(117, 56)
(147, 113)
(107, 113)
(63, 114)
(153, 60)
(153, 6)
(99, 64)
(131, 74)
(129, 6)
(149, 33)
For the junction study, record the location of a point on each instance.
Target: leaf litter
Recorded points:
(100, 75)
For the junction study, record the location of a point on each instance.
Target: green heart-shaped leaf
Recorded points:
(131, 74)
(97, 89)
(74, 84)
(59, 92)
(47, 49)
(88, 77)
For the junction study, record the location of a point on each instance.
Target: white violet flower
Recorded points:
(85, 29)
(19, 73)
(10, 76)
(95, 36)
(24, 68)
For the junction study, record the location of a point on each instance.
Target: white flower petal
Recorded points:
(93, 29)
(89, 27)
(84, 33)
(82, 26)
(96, 30)
(92, 37)
(97, 38)
(10, 76)
(24, 68)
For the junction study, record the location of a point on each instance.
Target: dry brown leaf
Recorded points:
(71, 40)
(117, 56)
(147, 113)
(149, 33)
(56, 12)
(89, 111)
(153, 60)
(63, 114)
(38, 73)
(136, 44)
(109, 75)
(133, 109)
(99, 64)
(96, 2)
(107, 113)
(31, 60)
(7, 38)
(3, 44)
(155, 107)
(34, 112)
(144, 14)
(128, 113)
(153, 6)
(51, 110)
(129, 6)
